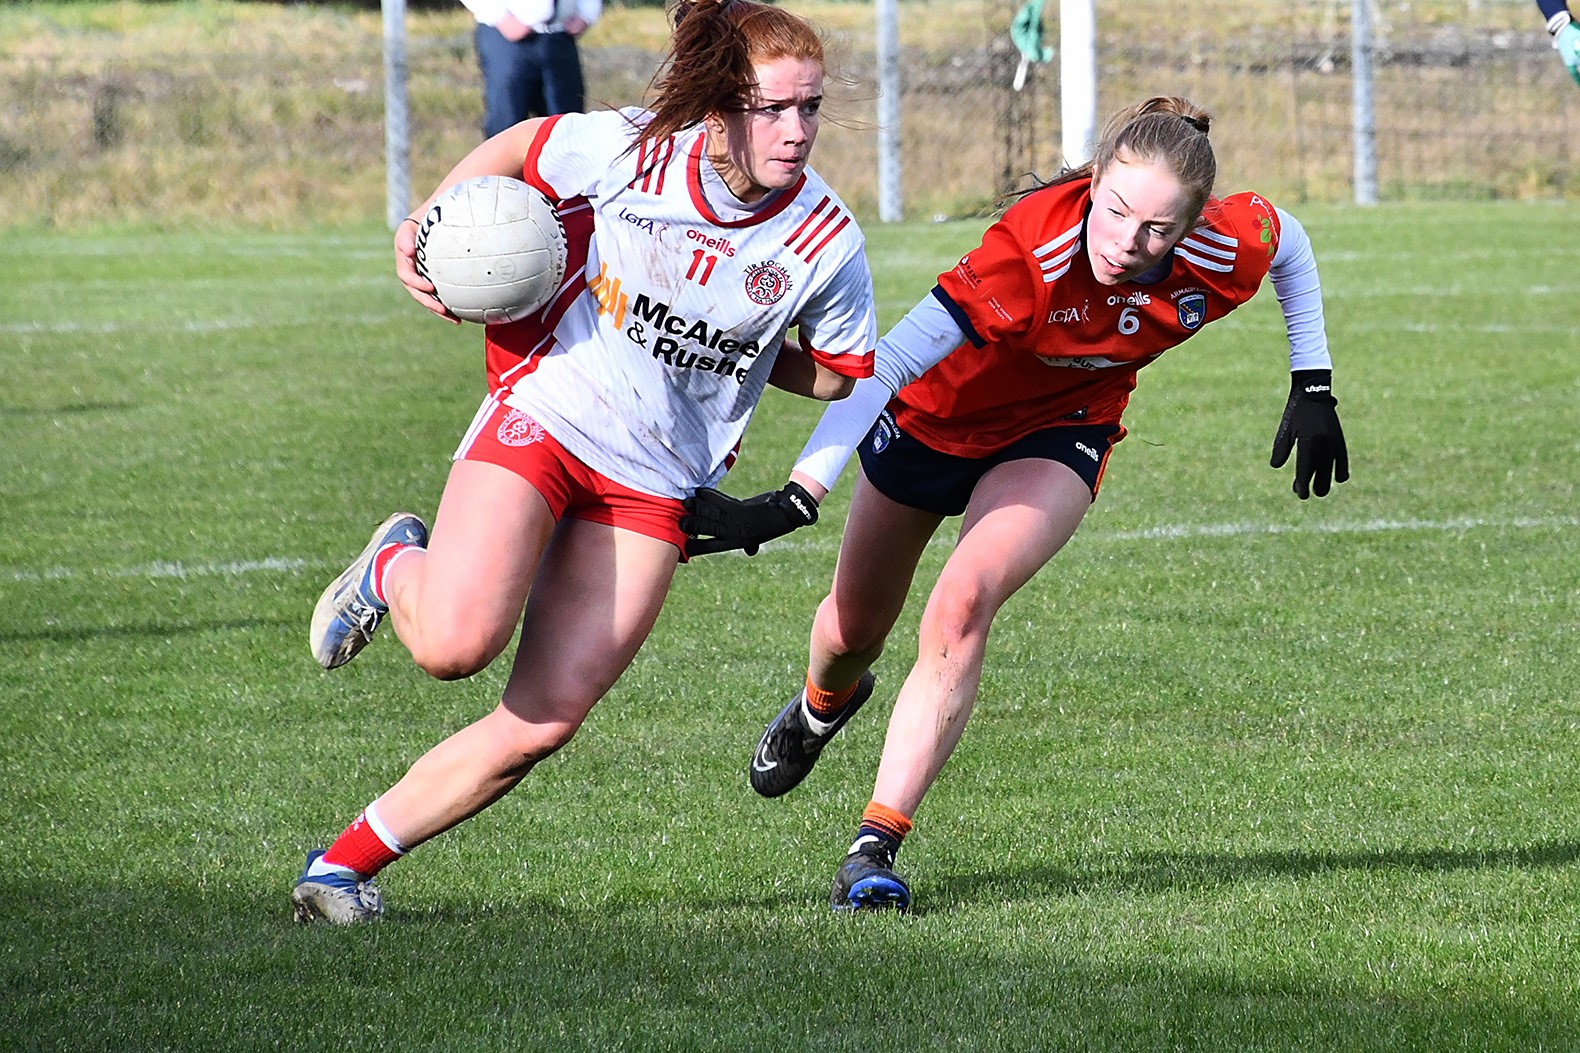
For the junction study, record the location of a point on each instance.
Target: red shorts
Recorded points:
(505, 436)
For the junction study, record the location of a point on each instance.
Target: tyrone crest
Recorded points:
(518, 429)
(766, 283)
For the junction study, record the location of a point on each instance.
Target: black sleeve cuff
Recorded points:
(959, 315)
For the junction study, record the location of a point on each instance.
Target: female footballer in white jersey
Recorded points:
(701, 239)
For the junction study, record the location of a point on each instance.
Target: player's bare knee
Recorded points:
(537, 742)
(957, 615)
(445, 667)
(531, 730)
(455, 656)
(868, 645)
(552, 737)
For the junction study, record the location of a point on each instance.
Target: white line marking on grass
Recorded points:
(267, 245)
(1186, 531)
(1406, 326)
(166, 570)
(212, 325)
(1171, 532)
(1490, 327)
(1375, 526)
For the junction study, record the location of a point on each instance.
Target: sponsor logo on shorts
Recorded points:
(1093, 454)
(1192, 309)
(518, 429)
(767, 283)
(884, 432)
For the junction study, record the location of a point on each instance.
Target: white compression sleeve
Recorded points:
(840, 429)
(917, 343)
(1294, 276)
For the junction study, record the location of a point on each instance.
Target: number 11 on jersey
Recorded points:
(702, 265)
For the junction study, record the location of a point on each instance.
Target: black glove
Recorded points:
(1311, 427)
(718, 522)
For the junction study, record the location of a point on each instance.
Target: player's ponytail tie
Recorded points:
(1175, 106)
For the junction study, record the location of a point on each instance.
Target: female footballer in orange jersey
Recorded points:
(999, 397)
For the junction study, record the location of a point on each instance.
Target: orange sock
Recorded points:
(885, 822)
(825, 705)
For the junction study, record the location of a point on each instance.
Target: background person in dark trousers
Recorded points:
(528, 55)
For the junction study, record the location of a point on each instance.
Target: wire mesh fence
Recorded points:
(1477, 107)
(284, 123)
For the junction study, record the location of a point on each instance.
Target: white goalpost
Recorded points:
(397, 141)
(1077, 79)
(1077, 55)
(890, 208)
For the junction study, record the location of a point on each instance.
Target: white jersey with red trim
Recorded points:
(662, 344)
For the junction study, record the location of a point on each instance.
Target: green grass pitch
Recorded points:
(1248, 773)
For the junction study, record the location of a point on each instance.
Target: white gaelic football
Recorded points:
(494, 248)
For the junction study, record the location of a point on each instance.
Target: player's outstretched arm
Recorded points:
(1310, 425)
(717, 522)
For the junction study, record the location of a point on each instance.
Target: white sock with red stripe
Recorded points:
(383, 559)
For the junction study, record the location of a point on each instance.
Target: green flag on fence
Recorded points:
(1026, 34)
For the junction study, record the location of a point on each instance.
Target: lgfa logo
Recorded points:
(1069, 315)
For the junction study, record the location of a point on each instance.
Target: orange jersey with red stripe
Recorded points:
(1057, 347)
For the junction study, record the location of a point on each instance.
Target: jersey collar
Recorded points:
(780, 201)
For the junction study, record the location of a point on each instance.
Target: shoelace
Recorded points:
(367, 617)
(364, 892)
(794, 732)
(368, 895)
(878, 856)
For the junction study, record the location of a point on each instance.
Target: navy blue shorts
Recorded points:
(914, 474)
